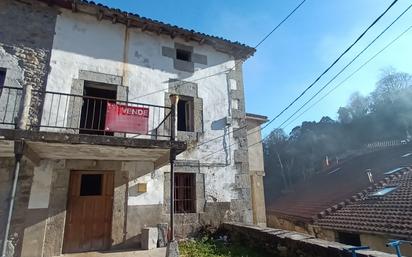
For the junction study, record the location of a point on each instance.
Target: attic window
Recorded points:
(183, 55)
(384, 191)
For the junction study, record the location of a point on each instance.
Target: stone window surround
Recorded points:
(182, 65)
(180, 167)
(188, 89)
(54, 230)
(78, 87)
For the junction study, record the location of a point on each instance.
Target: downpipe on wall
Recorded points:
(18, 149)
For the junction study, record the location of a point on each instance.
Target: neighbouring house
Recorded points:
(256, 166)
(364, 200)
(86, 125)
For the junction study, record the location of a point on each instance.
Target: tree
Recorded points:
(358, 105)
(344, 115)
(384, 114)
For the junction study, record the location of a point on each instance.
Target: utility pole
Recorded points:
(172, 247)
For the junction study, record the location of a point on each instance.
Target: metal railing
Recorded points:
(10, 98)
(70, 113)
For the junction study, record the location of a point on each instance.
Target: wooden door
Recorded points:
(89, 211)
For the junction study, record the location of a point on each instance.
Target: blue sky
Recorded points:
(299, 51)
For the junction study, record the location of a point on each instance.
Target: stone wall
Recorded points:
(20, 210)
(291, 244)
(6, 177)
(26, 39)
(275, 221)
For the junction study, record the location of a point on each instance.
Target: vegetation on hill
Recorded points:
(384, 114)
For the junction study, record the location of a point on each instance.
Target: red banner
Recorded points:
(129, 119)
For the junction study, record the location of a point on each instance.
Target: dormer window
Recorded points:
(183, 55)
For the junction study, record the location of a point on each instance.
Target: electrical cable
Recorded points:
(238, 61)
(374, 56)
(348, 77)
(347, 65)
(316, 80)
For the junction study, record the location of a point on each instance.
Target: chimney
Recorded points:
(370, 176)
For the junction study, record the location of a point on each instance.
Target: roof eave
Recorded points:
(235, 49)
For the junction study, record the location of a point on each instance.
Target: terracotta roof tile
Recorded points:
(389, 214)
(346, 187)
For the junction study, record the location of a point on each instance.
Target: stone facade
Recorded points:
(242, 205)
(47, 54)
(25, 48)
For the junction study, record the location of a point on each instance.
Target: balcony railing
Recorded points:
(70, 113)
(103, 116)
(10, 98)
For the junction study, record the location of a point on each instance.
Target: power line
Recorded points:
(347, 65)
(330, 91)
(238, 61)
(317, 79)
(280, 24)
(333, 64)
(225, 71)
(348, 77)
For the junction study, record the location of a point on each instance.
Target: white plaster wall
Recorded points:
(40, 188)
(143, 172)
(83, 43)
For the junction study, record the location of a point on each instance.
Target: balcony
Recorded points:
(69, 126)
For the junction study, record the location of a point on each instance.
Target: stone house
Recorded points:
(86, 126)
(365, 200)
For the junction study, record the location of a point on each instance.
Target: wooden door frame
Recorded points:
(86, 171)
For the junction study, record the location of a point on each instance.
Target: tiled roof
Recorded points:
(334, 188)
(236, 49)
(389, 214)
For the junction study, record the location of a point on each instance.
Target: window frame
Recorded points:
(185, 192)
(189, 113)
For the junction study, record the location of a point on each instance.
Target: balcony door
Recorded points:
(89, 211)
(93, 113)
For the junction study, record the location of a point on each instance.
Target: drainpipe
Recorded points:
(18, 149)
(172, 247)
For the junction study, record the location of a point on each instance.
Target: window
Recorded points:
(185, 109)
(384, 191)
(91, 184)
(185, 193)
(349, 238)
(183, 55)
(2, 77)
